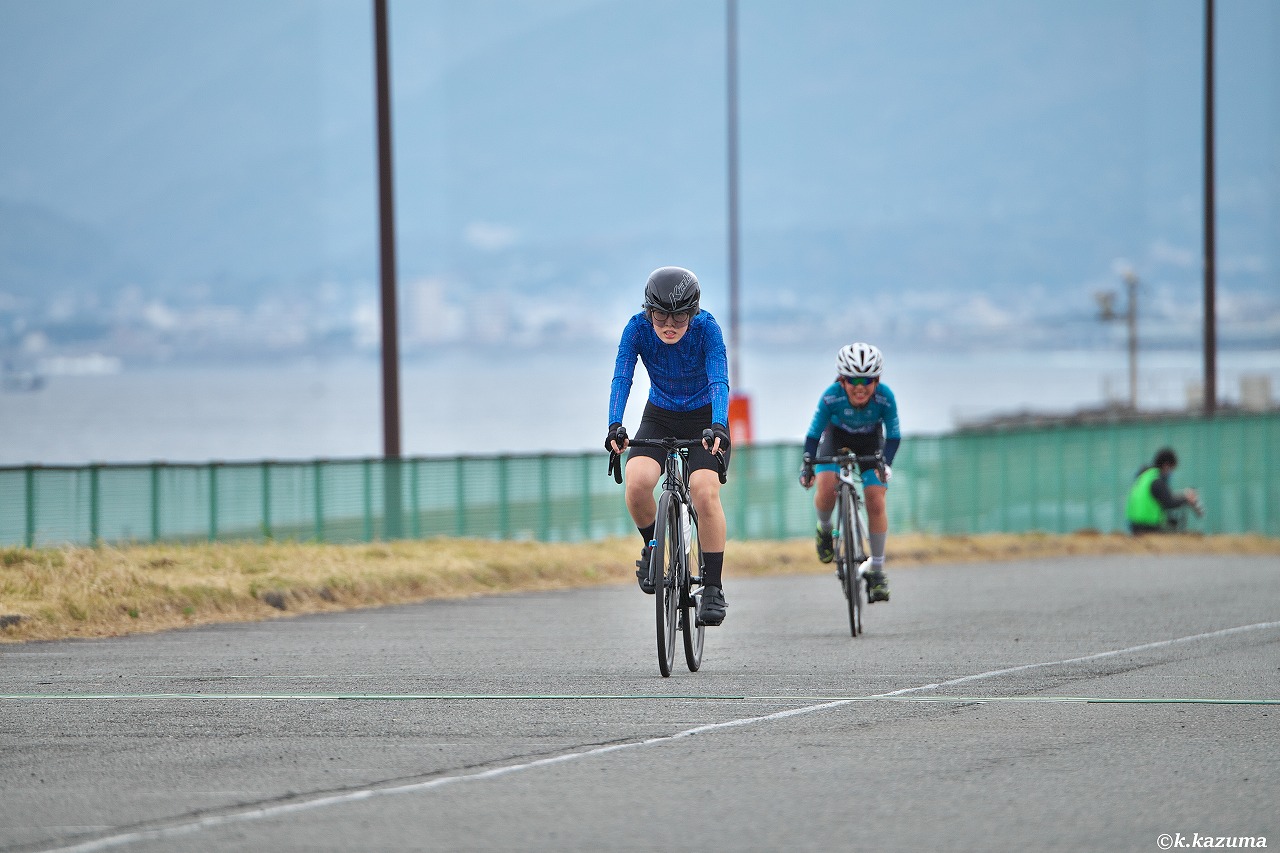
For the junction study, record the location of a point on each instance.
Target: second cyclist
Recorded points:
(859, 412)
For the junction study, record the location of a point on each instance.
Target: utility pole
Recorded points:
(1131, 282)
(731, 108)
(1210, 274)
(1107, 312)
(387, 257)
(739, 404)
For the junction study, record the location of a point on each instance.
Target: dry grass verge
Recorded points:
(48, 594)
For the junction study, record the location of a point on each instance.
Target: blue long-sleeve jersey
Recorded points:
(683, 376)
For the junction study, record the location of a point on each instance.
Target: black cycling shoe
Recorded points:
(642, 572)
(711, 608)
(877, 586)
(826, 549)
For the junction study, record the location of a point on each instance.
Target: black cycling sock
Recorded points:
(647, 533)
(712, 568)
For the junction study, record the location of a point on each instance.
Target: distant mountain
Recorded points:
(212, 166)
(44, 254)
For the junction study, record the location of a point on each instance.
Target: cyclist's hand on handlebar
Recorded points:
(806, 471)
(616, 440)
(715, 438)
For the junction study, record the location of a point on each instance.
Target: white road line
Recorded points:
(247, 815)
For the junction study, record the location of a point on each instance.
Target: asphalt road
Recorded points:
(540, 722)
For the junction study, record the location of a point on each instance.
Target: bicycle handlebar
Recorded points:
(668, 444)
(876, 459)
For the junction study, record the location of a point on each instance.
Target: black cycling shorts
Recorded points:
(658, 422)
(835, 439)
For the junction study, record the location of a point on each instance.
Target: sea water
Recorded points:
(537, 401)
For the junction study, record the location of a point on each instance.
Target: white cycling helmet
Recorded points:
(859, 360)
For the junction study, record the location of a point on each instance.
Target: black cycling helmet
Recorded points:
(672, 289)
(1165, 456)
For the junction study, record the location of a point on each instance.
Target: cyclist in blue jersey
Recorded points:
(859, 412)
(684, 354)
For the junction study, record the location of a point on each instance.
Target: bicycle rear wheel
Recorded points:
(853, 553)
(694, 631)
(666, 588)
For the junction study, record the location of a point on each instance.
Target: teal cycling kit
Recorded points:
(865, 429)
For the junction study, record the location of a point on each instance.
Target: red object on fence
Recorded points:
(740, 419)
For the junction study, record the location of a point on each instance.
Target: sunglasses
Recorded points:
(664, 318)
(860, 380)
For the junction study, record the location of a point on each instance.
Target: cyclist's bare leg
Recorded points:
(877, 516)
(878, 528)
(704, 488)
(824, 495)
(642, 479)
(824, 507)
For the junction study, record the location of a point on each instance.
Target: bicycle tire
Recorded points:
(666, 589)
(837, 543)
(853, 547)
(694, 631)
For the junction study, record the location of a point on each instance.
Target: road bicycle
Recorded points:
(675, 558)
(849, 535)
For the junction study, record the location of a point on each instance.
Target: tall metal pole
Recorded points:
(387, 262)
(1131, 280)
(731, 76)
(1210, 318)
(387, 243)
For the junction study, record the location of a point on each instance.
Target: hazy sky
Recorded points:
(992, 145)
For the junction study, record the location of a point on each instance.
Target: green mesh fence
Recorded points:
(1054, 480)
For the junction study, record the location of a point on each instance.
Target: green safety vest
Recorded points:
(1142, 508)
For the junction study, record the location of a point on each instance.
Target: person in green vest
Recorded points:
(1151, 498)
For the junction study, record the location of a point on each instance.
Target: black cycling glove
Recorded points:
(806, 471)
(617, 433)
(713, 432)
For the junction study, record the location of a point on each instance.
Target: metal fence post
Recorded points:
(266, 499)
(95, 503)
(415, 501)
(30, 478)
(367, 470)
(1002, 463)
(503, 521)
(319, 499)
(460, 496)
(1061, 439)
(1270, 524)
(585, 459)
(544, 513)
(213, 501)
(155, 502)
(780, 491)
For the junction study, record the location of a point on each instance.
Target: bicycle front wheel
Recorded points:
(852, 554)
(694, 631)
(666, 587)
